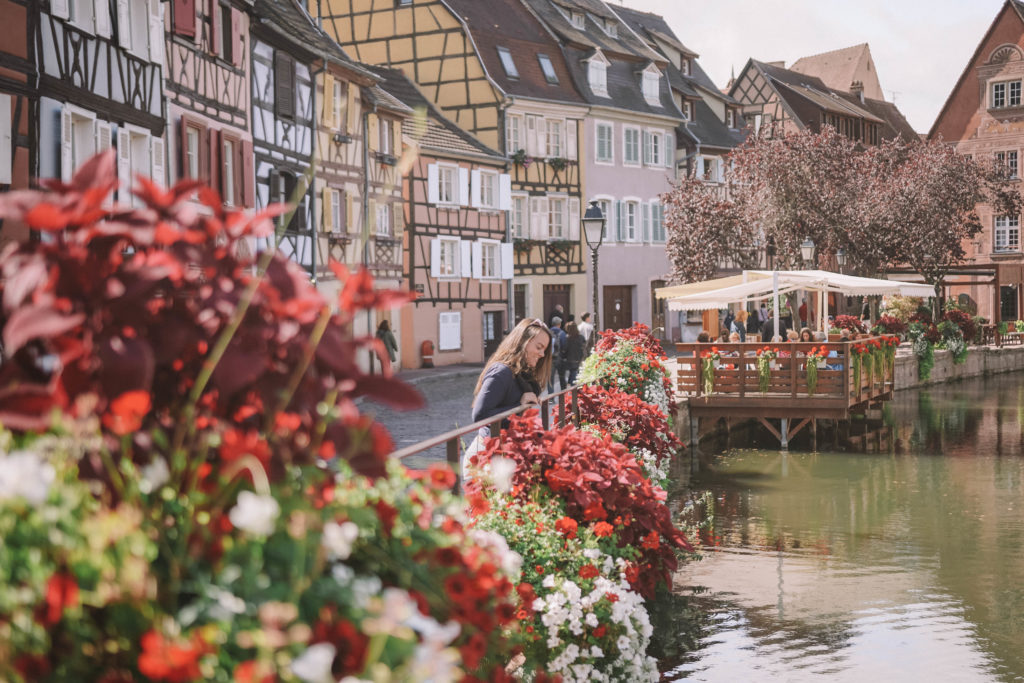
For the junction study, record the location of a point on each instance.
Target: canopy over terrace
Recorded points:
(762, 284)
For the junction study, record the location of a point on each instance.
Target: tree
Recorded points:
(704, 227)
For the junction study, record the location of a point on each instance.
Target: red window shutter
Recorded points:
(216, 36)
(238, 36)
(214, 174)
(248, 174)
(185, 18)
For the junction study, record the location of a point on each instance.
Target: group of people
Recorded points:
(569, 346)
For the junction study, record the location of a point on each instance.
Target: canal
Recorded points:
(900, 565)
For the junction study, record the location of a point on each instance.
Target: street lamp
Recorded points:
(807, 252)
(841, 259)
(593, 230)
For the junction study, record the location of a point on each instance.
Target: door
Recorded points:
(553, 296)
(618, 307)
(658, 311)
(519, 302)
(494, 331)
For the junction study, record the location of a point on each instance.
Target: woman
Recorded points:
(385, 334)
(806, 335)
(511, 377)
(575, 351)
(739, 325)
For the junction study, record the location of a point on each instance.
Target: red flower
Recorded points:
(651, 541)
(611, 597)
(588, 571)
(478, 504)
(441, 476)
(387, 514)
(126, 412)
(473, 651)
(253, 672)
(566, 526)
(600, 631)
(165, 660)
(61, 593)
(603, 529)
(594, 511)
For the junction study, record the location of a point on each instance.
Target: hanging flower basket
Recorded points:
(709, 363)
(765, 364)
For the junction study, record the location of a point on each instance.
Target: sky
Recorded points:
(920, 48)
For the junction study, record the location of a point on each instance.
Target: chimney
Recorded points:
(857, 88)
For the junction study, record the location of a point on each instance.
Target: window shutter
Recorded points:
(505, 192)
(60, 9)
(570, 139)
(185, 17)
(620, 223)
(104, 139)
(124, 165)
(102, 12)
(6, 140)
(237, 38)
(371, 207)
(157, 161)
(284, 75)
(433, 190)
(658, 227)
(213, 145)
(507, 262)
(574, 218)
(373, 132)
(647, 148)
(478, 253)
(353, 115)
(645, 209)
(156, 31)
(463, 186)
(66, 137)
(326, 209)
(124, 26)
(532, 143)
(670, 151)
(474, 189)
(346, 218)
(465, 258)
(248, 172)
(539, 218)
(398, 219)
(328, 98)
(435, 258)
(216, 30)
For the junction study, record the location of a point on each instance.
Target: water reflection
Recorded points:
(903, 566)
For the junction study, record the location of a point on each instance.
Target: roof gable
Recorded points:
(839, 69)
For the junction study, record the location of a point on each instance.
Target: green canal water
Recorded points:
(900, 565)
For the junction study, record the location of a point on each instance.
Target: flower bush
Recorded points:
(888, 324)
(630, 360)
(963, 321)
(709, 362)
(849, 322)
(765, 361)
(923, 350)
(189, 492)
(953, 340)
(816, 354)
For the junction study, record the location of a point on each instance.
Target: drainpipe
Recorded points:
(366, 209)
(510, 304)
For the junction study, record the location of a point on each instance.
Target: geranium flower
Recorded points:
(172, 661)
(588, 571)
(603, 529)
(61, 593)
(566, 526)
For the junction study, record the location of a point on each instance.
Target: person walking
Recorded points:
(574, 351)
(386, 336)
(559, 341)
(587, 332)
(511, 377)
(559, 313)
(739, 325)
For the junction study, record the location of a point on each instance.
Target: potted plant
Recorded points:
(834, 334)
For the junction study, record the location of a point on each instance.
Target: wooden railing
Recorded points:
(737, 377)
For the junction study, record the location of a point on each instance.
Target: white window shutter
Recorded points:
(104, 136)
(508, 262)
(435, 258)
(532, 143)
(6, 139)
(474, 189)
(101, 8)
(433, 189)
(647, 148)
(478, 253)
(60, 9)
(620, 222)
(505, 192)
(156, 154)
(124, 164)
(645, 209)
(156, 31)
(670, 151)
(570, 139)
(574, 218)
(534, 231)
(463, 186)
(66, 148)
(124, 24)
(465, 259)
(658, 227)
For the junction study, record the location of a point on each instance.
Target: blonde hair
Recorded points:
(512, 352)
(791, 335)
(742, 316)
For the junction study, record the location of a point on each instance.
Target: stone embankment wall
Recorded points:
(981, 360)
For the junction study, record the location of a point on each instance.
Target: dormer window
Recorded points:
(578, 20)
(1005, 94)
(730, 118)
(548, 68)
(652, 85)
(688, 111)
(597, 74)
(506, 61)
(684, 66)
(611, 28)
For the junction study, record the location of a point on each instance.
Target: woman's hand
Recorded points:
(529, 399)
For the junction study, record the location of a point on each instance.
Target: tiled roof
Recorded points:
(625, 85)
(839, 68)
(385, 100)
(291, 22)
(508, 23)
(625, 42)
(898, 126)
(709, 130)
(815, 91)
(654, 25)
(430, 127)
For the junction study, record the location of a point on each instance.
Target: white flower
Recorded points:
(24, 474)
(502, 471)
(255, 514)
(314, 665)
(337, 539)
(154, 475)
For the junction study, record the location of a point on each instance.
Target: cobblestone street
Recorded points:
(448, 398)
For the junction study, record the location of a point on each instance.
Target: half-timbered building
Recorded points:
(458, 257)
(496, 72)
(101, 84)
(208, 104)
(18, 97)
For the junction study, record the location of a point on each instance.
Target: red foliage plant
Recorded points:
(639, 334)
(964, 321)
(152, 318)
(848, 322)
(640, 424)
(888, 324)
(600, 481)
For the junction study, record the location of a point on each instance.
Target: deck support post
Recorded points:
(784, 434)
(694, 432)
(814, 434)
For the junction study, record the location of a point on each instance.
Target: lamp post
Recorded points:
(807, 252)
(593, 229)
(841, 259)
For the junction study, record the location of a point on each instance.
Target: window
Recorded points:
(597, 76)
(228, 170)
(513, 133)
(284, 80)
(488, 190)
(448, 265)
(447, 185)
(688, 111)
(383, 219)
(338, 97)
(404, 3)
(1006, 94)
(611, 28)
(506, 61)
(1008, 162)
(449, 333)
(556, 218)
(136, 154)
(227, 38)
(684, 66)
(83, 14)
(78, 139)
(631, 146)
(548, 68)
(603, 149)
(334, 212)
(192, 151)
(1007, 233)
(652, 86)
(519, 227)
(488, 259)
(657, 222)
(578, 19)
(629, 217)
(606, 211)
(554, 138)
(654, 148)
(730, 118)
(710, 167)
(140, 27)
(385, 136)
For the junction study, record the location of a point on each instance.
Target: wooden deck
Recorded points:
(736, 392)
